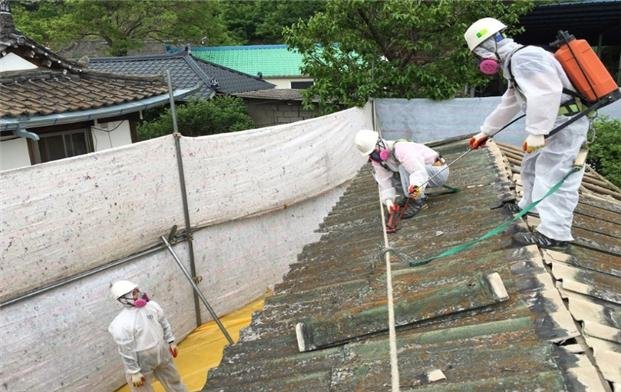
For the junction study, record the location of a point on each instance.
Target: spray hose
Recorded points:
(496, 230)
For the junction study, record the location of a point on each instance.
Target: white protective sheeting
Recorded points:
(68, 216)
(65, 217)
(241, 174)
(59, 341)
(238, 260)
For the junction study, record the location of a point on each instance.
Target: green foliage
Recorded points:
(47, 22)
(357, 49)
(262, 21)
(124, 25)
(605, 151)
(200, 117)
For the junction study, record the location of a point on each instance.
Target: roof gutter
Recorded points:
(17, 123)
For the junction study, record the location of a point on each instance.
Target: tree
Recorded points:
(263, 21)
(605, 150)
(124, 25)
(200, 117)
(357, 49)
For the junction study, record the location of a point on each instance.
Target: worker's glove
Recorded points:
(392, 207)
(533, 143)
(172, 348)
(415, 192)
(478, 140)
(137, 379)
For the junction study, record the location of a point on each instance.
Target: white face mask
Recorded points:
(484, 53)
(487, 49)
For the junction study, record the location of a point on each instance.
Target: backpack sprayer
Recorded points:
(596, 87)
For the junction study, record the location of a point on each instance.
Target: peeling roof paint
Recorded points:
(451, 316)
(588, 274)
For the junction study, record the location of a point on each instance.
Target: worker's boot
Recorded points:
(536, 238)
(413, 207)
(514, 209)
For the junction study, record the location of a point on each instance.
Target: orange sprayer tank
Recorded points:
(585, 70)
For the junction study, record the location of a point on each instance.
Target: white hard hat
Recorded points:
(366, 140)
(481, 30)
(122, 287)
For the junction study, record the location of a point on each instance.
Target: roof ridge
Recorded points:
(207, 80)
(240, 47)
(198, 59)
(138, 57)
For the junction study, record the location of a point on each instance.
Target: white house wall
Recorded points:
(14, 153)
(285, 83)
(111, 134)
(259, 195)
(13, 62)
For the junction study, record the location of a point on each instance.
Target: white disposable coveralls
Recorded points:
(540, 80)
(143, 335)
(414, 162)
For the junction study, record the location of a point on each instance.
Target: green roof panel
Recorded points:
(269, 60)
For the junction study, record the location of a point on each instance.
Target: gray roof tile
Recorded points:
(185, 70)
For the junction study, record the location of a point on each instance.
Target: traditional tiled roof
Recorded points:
(489, 318)
(265, 60)
(185, 71)
(60, 85)
(37, 92)
(11, 40)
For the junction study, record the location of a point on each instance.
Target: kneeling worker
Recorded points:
(402, 168)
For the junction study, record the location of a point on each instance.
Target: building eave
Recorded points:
(14, 123)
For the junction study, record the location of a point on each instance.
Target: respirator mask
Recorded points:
(487, 52)
(139, 302)
(381, 152)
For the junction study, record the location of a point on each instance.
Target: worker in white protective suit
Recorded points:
(539, 87)
(145, 340)
(403, 169)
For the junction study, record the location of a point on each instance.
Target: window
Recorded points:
(301, 85)
(58, 145)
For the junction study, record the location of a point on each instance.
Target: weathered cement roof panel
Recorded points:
(447, 315)
(588, 274)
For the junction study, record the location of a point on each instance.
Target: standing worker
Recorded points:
(402, 167)
(145, 340)
(538, 86)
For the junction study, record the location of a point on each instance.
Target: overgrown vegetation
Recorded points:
(357, 49)
(123, 25)
(605, 151)
(263, 21)
(200, 117)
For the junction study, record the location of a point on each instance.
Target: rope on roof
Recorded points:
(392, 336)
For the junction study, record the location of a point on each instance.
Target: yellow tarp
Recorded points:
(202, 349)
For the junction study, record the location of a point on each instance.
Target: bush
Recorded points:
(200, 117)
(605, 151)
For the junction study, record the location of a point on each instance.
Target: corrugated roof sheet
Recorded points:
(186, 71)
(265, 60)
(449, 317)
(588, 274)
